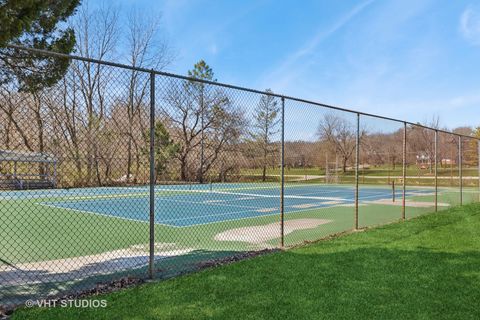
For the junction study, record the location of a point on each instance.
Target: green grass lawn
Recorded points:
(424, 268)
(382, 175)
(381, 170)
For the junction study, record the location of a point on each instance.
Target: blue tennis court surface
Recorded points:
(184, 205)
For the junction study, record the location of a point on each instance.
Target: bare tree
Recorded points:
(421, 140)
(382, 148)
(340, 134)
(265, 127)
(146, 49)
(93, 110)
(226, 127)
(97, 35)
(63, 106)
(13, 107)
(204, 121)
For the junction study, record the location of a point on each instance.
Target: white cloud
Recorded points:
(213, 49)
(470, 25)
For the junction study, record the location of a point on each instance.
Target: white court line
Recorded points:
(169, 198)
(255, 217)
(470, 191)
(211, 203)
(215, 215)
(162, 222)
(323, 189)
(375, 195)
(100, 214)
(276, 196)
(223, 204)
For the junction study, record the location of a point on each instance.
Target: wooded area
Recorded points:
(95, 119)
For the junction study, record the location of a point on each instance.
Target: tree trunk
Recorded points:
(183, 168)
(137, 163)
(97, 167)
(129, 157)
(264, 167)
(130, 138)
(7, 134)
(41, 143)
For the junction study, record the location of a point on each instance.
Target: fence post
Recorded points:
(151, 259)
(202, 135)
(404, 168)
(357, 160)
(478, 160)
(282, 177)
(460, 168)
(436, 170)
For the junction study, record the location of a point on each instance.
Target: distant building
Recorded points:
(423, 161)
(446, 162)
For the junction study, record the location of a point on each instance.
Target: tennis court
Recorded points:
(190, 205)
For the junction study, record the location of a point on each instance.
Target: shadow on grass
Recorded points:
(21, 284)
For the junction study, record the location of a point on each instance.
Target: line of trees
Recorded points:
(98, 127)
(95, 118)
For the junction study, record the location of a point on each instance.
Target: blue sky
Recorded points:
(408, 59)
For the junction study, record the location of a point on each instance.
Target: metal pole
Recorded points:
(152, 177)
(202, 145)
(436, 170)
(357, 159)
(404, 168)
(460, 168)
(478, 160)
(327, 173)
(393, 190)
(55, 173)
(282, 175)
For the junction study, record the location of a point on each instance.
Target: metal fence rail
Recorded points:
(158, 174)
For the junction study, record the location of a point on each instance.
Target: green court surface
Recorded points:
(192, 224)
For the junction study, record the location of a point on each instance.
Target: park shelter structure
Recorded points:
(27, 170)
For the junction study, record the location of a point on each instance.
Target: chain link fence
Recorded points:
(118, 173)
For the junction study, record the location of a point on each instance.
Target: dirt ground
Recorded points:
(408, 203)
(264, 233)
(79, 267)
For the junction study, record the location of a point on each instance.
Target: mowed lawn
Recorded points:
(424, 268)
